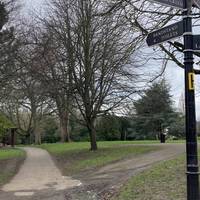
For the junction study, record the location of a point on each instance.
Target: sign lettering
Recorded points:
(165, 34)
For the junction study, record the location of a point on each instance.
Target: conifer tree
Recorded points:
(154, 111)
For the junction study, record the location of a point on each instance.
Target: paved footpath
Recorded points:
(37, 179)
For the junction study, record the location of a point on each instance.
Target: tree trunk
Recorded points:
(37, 137)
(123, 135)
(92, 133)
(36, 131)
(4, 141)
(63, 114)
(64, 127)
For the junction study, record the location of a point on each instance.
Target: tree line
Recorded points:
(78, 66)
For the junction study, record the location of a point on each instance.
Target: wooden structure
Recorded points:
(13, 136)
(10, 138)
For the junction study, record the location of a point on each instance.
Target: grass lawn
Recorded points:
(76, 157)
(10, 160)
(164, 181)
(8, 153)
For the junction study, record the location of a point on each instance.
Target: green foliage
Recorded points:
(156, 100)
(108, 128)
(154, 111)
(79, 133)
(177, 127)
(112, 127)
(5, 125)
(49, 128)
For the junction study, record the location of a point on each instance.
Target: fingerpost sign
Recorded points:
(165, 34)
(171, 3)
(191, 43)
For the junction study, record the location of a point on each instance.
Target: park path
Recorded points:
(38, 178)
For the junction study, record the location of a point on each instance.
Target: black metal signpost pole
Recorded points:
(191, 137)
(191, 43)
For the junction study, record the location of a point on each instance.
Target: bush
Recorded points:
(50, 133)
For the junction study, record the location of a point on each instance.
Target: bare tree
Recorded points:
(98, 52)
(53, 73)
(26, 91)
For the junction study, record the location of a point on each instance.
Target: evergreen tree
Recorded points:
(177, 127)
(3, 15)
(154, 111)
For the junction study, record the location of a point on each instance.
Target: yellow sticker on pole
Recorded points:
(191, 80)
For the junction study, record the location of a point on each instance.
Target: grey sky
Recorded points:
(32, 5)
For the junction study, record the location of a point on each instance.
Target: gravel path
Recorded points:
(38, 178)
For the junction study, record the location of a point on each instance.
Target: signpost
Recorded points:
(177, 3)
(165, 34)
(191, 43)
(171, 3)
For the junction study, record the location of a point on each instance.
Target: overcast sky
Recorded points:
(173, 73)
(32, 5)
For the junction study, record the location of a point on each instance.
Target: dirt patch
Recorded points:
(9, 168)
(103, 183)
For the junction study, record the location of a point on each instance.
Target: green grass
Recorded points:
(9, 153)
(164, 181)
(76, 157)
(60, 148)
(10, 160)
